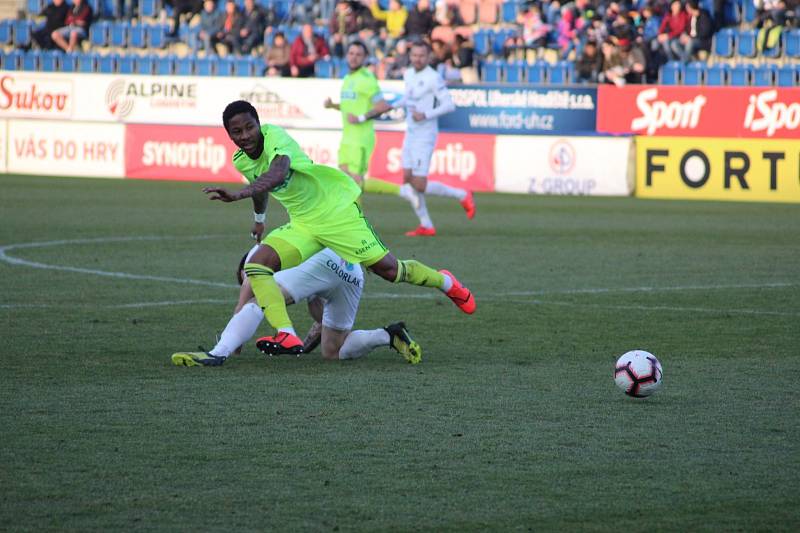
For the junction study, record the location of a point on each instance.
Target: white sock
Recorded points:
(440, 189)
(360, 342)
(422, 213)
(290, 330)
(408, 192)
(448, 283)
(241, 327)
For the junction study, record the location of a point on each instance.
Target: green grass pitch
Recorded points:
(511, 422)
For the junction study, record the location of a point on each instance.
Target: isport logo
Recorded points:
(765, 114)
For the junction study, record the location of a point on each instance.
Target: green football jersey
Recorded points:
(359, 91)
(311, 192)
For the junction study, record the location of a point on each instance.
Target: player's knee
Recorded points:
(419, 184)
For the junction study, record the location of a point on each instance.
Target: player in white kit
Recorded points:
(425, 99)
(333, 289)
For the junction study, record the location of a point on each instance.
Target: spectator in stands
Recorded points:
(419, 23)
(647, 28)
(597, 30)
(180, 8)
(464, 59)
(232, 22)
(568, 39)
(698, 35)
(251, 33)
(55, 14)
(76, 26)
(211, 22)
(277, 57)
(534, 32)
(588, 64)
(397, 61)
(323, 9)
(673, 25)
(769, 34)
(343, 26)
(306, 50)
(622, 63)
(395, 20)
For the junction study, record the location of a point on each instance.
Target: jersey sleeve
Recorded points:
(442, 102)
(279, 142)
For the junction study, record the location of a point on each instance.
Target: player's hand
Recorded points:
(352, 119)
(328, 103)
(217, 193)
(417, 116)
(257, 231)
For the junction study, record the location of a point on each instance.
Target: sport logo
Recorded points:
(561, 157)
(117, 103)
(772, 116)
(657, 114)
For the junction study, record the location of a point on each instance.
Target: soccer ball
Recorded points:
(638, 373)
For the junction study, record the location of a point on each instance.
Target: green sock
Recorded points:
(268, 295)
(416, 273)
(380, 187)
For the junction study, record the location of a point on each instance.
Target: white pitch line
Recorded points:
(372, 295)
(111, 274)
(662, 308)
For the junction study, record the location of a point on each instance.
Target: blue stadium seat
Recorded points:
(536, 72)
(224, 66)
(764, 75)
(787, 76)
(717, 74)
(118, 36)
(51, 61)
(341, 67)
(188, 35)
(184, 66)
(724, 43)
(324, 68)
(791, 44)
(671, 73)
(204, 66)
(165, 66)
(126, 64)
(694, 73)
(31, 59)
(137, 36)
(515, 71)
(98, 33)
(491, 71)
(748, 11)
(97, 8)
(22, 33)
(87, 63)
(107, 64)
(149, 8)
(6, 37)
(34, 6)
(69, 63)
(509, 11)
(243, 67)
(156, 35)
(730, 13)
(499, 39)
(145, 64)
(291, 34)
(562, 73)
(741, 75)
(746, 43)
(13, 60)
(482, 41)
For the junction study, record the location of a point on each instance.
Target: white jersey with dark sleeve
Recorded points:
(425, 92)
(329, 277)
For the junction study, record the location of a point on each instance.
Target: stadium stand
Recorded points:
(132, 37)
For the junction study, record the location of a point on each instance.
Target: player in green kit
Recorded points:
(360, 92)
(322, 208)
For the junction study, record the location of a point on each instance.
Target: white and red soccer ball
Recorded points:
(638, 373)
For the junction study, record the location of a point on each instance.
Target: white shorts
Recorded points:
(329, 277)
(417, 153)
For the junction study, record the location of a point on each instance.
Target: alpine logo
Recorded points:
(117, 103)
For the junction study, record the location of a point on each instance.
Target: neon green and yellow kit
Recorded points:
(359, 92)
(311, 193)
